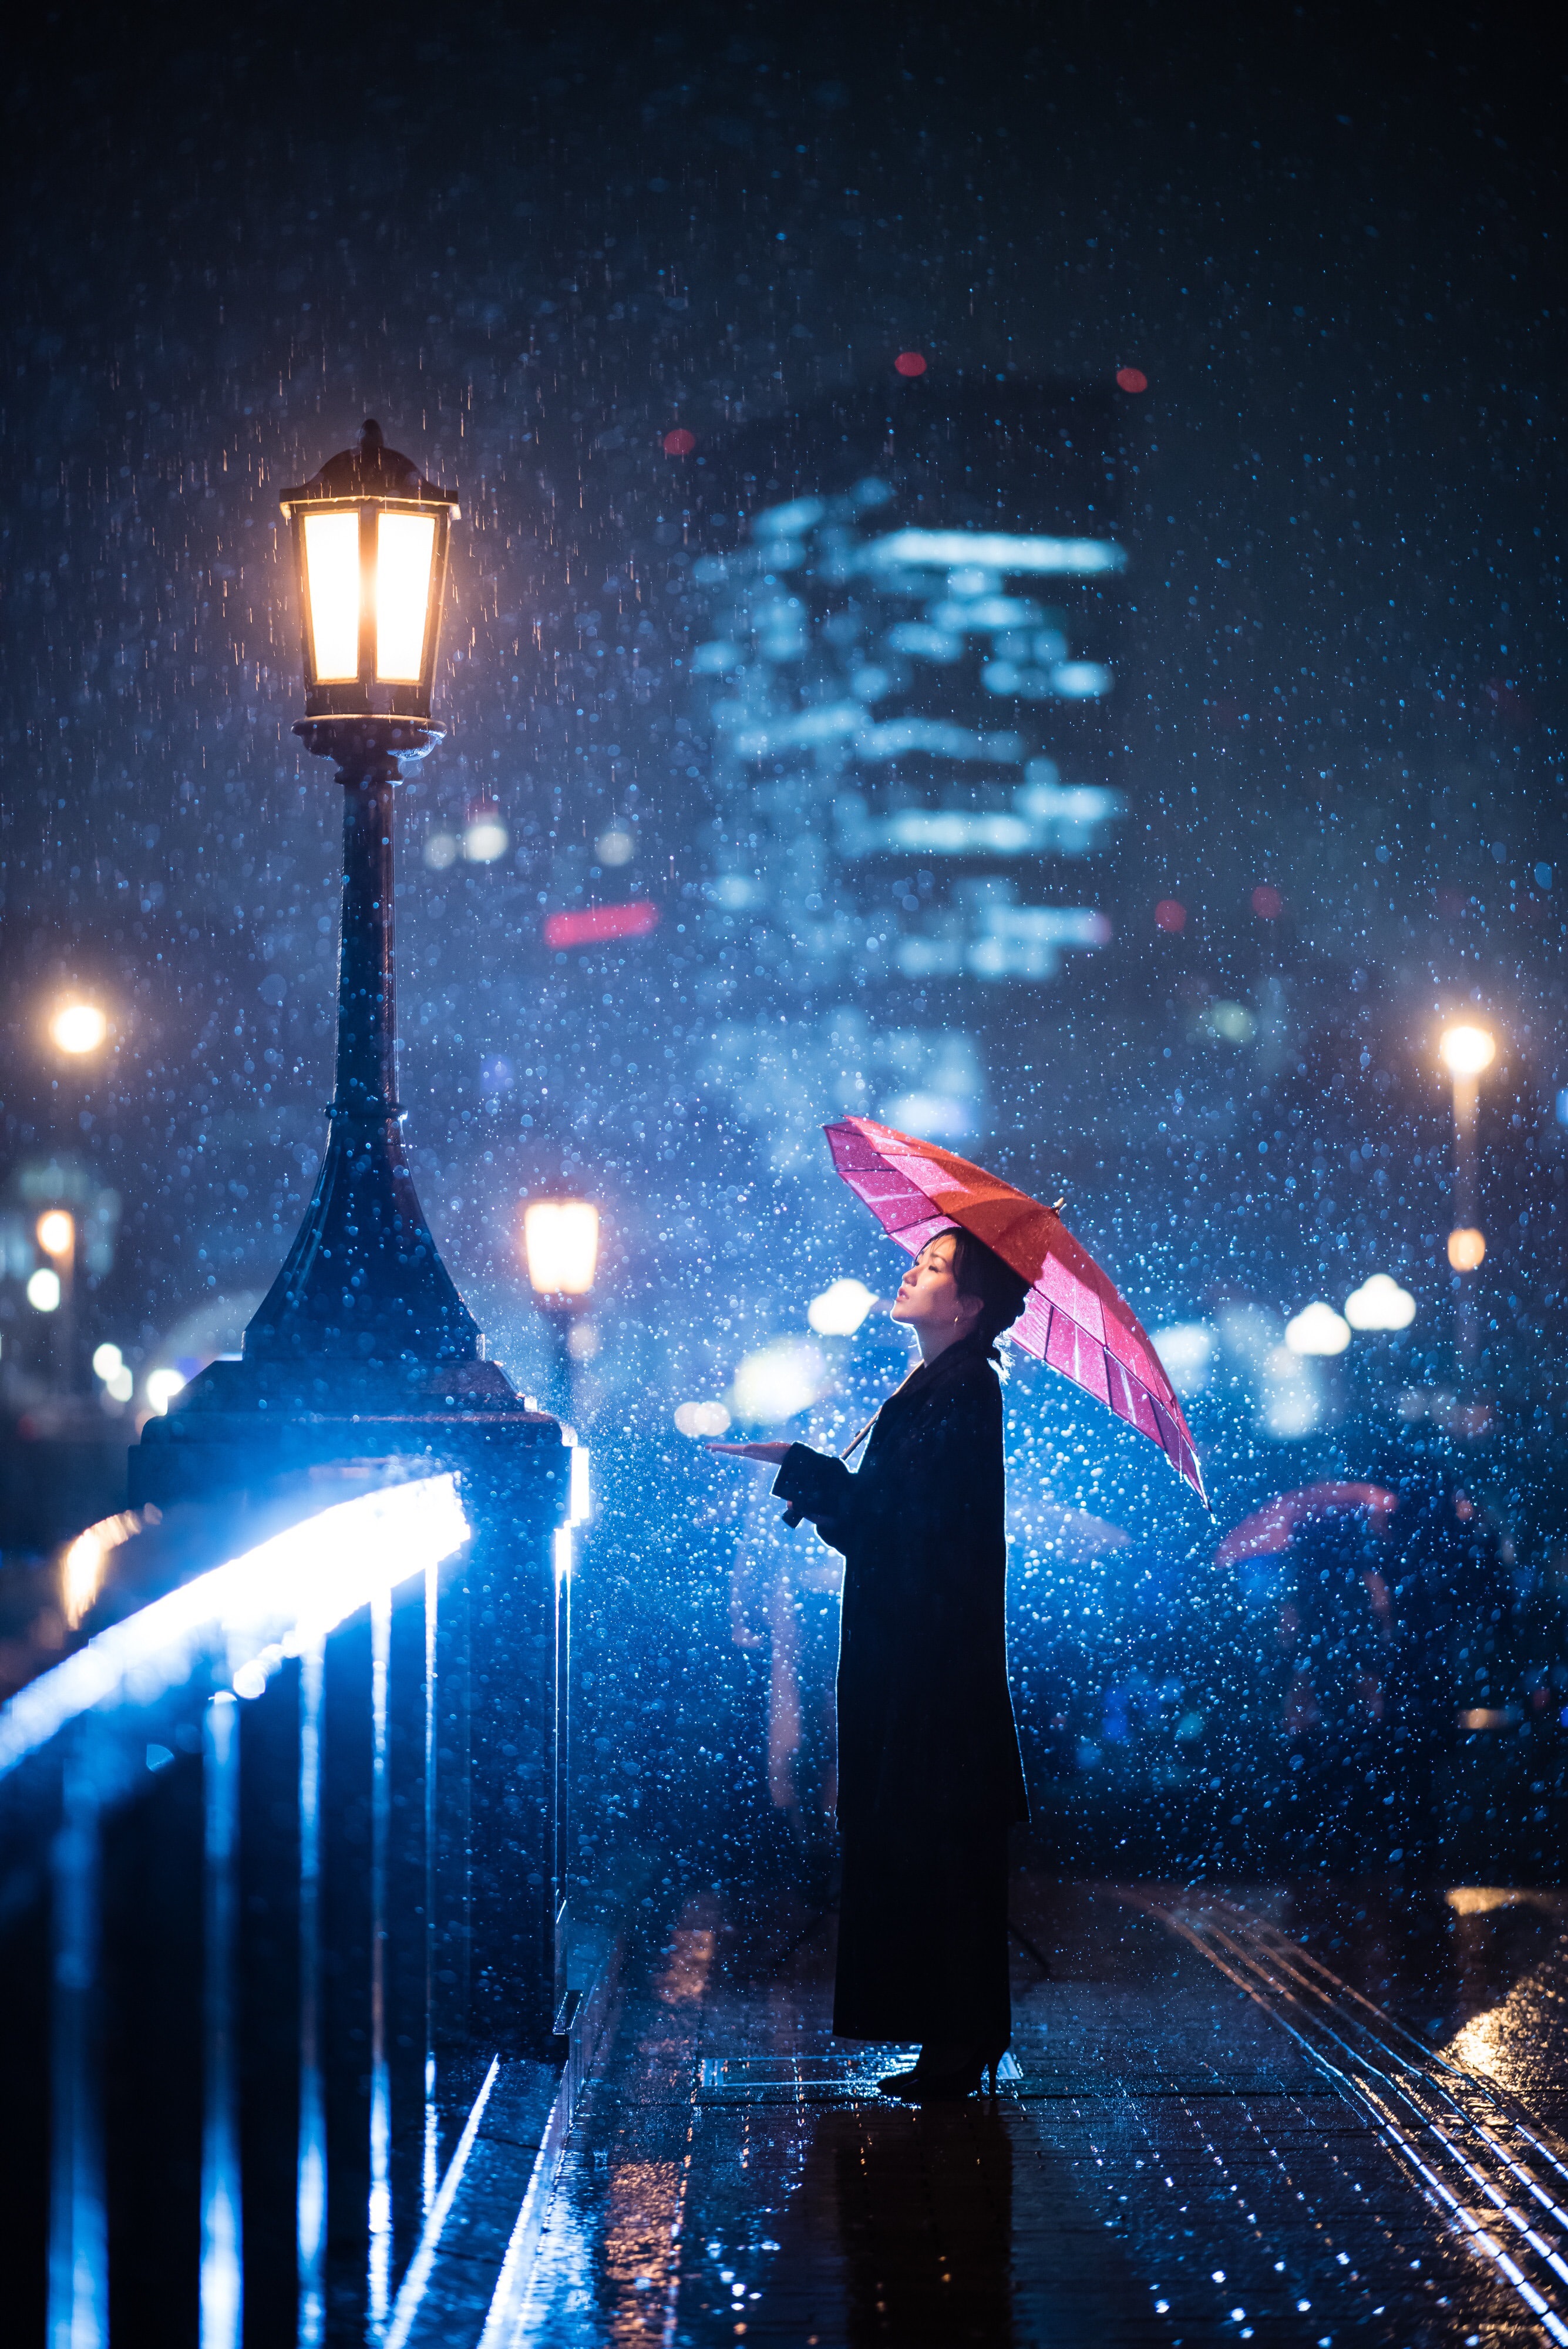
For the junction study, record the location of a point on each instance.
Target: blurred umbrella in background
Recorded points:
(1273, 1528)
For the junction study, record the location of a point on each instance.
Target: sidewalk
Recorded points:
(1198, 2149)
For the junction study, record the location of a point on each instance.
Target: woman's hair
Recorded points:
(979, 1271)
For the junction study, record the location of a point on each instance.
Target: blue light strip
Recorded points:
(273, 1601)
(222, 2272)
(79, 2234)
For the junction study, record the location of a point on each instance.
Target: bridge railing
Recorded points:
(279, 1876)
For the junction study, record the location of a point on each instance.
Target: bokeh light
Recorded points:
(1466, 1248)
(56, 1232)
(44, 1289)
(1170, 914)
(484, 836)
(163, 1386)
(778, 1381)
(79, 1027)
(841, 1308)
(561, 1245)
(701, 1418)
(1467, 1051)
(1317, 1329)
(1267, 902)
(1380, 1304)
(909, 363)
(1130, 379)
(679, 444)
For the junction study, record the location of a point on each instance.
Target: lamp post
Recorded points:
(370, 540)
(561, 1245)
(56, 1232)
(362, 1360)
(1466, 1050)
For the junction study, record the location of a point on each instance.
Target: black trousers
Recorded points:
(922, 1933)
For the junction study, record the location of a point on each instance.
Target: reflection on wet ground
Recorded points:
(1283, 2113)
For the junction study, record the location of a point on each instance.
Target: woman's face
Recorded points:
(929, 1295)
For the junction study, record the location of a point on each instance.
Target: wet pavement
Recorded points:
(1278, 2112)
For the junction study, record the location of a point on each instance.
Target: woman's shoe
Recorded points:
(955, 2072)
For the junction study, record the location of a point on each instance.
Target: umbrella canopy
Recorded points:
(1271, 1529)
(1074, 1319)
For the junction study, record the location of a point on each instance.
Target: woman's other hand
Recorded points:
(771, 1456)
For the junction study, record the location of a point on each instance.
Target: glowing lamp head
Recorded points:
(78, 1029)
(561, 1242)
(370, 539)
(1467, 1051)
(57, 1233)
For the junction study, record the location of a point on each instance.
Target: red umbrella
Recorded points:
(1074, 1319)
(1271, 1529)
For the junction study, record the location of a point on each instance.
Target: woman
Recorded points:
(929, 1776)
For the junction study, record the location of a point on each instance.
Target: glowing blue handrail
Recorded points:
(271, 1602)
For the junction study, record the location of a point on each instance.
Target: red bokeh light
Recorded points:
(1170, 915)
(679, 444)
(1132, 379)
(597, 923)
(909, 363)
(1267, 904)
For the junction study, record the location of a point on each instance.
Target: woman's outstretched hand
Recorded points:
(771, 1456)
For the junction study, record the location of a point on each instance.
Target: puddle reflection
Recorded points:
(920, 2203)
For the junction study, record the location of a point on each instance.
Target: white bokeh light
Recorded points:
(1380, 1304)
(1317, 1329)
(841, 1308)
(163, 1386)
(701, 1418)
(779, 1381)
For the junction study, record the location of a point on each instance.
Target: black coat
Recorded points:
(925, 1721)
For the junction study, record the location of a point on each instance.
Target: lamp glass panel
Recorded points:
(562, 1240)
(405, 548)
(332, 568)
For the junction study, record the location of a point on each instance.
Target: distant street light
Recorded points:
(1467, 1051)
(1466, 1248)
(57, 1233)
(78, 1029)
(561, 1239)
(561, 1248)
(1464, 1051)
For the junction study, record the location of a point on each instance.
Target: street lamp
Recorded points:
(363, 1362)
(363, 1277)
(78, 1029)
(1464, 1051)
(561, 1245)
